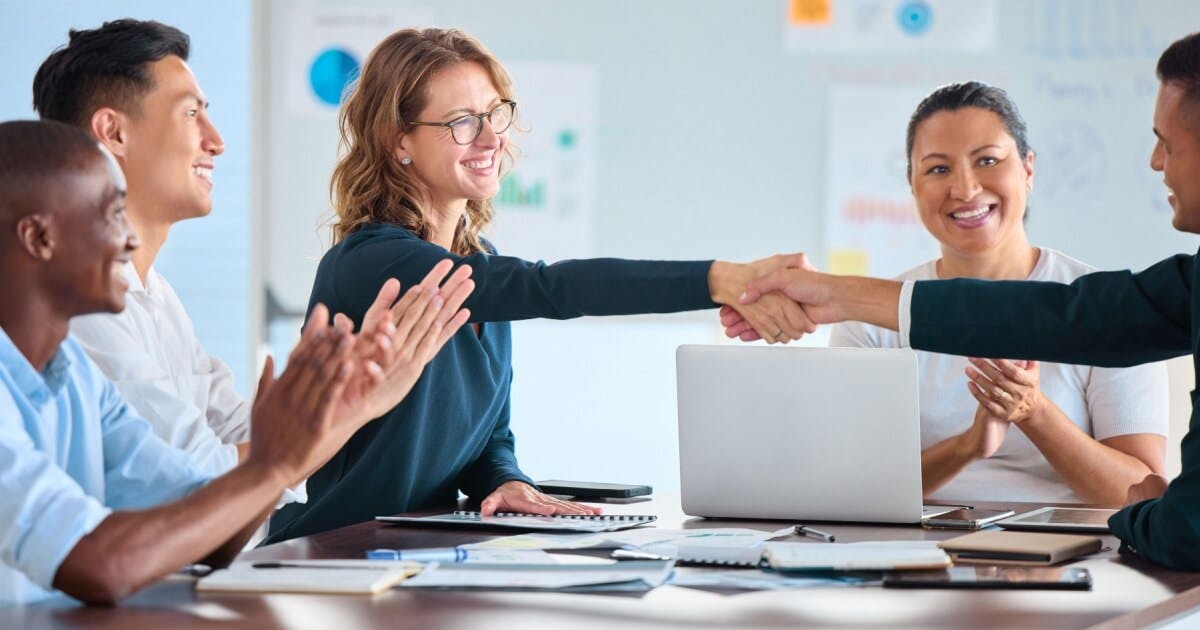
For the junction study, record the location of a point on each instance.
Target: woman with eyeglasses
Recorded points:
(426, 137)
(1004, 430)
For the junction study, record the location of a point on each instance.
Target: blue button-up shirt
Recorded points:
(71, 452)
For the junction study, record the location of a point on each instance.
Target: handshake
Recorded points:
(782, 298)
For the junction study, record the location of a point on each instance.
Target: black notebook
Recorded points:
(526, 522)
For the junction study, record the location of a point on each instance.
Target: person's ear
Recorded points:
(1029, 171)
(108, 126)
(401, 153)
(35, 233)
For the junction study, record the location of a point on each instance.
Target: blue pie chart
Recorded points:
(915, 17)
(329, 74)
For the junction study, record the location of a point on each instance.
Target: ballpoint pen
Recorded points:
(804, 530)
(301, 565)
(448, 554)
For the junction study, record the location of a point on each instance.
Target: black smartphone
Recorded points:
(1053, 578)
(973, 518)
(592, 490)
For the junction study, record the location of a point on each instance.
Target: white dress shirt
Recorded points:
(151, 353)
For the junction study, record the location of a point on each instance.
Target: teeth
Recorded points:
(972, 214)
(203, 171)
(484, 163)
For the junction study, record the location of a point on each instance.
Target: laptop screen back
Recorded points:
(799, 433)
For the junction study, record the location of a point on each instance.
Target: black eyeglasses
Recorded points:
(466, 129)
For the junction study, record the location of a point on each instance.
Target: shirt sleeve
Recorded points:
(140, 470)
(1124, 401)
(511, 289)
(228, 414)
(111, 341)
(43, 511)
(497, 463)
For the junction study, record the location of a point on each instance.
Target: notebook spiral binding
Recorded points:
(577, 517)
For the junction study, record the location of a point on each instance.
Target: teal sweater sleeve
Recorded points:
(1107, 319)
(511, 289)
(498, 462)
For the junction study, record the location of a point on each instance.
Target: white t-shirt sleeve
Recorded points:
(1123, 401)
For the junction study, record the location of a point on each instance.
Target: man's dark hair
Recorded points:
(969, 94)
(1180, 64)
(103, 67)
(33, 153)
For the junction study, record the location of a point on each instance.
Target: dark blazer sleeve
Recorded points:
(1108, 319)
(510, 289)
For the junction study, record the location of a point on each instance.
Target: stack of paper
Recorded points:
(862, 556)
(641, 575)
(310, 576)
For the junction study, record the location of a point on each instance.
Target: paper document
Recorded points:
(612, 576)
(730, 537)
(863, 556)
(760, 581)
(310, 576)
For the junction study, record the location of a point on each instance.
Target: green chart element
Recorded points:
(514, 193)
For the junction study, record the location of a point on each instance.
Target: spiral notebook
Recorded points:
(526, 522)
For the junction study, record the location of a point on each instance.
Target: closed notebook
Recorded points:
(344, 577)
(863, 556)
(1030, 548)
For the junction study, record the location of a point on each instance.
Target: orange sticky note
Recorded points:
(810, 12)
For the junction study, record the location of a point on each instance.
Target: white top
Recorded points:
(151, 353)
(1103, 402)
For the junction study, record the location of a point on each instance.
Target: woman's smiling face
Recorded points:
(453, 173)
(969, 179)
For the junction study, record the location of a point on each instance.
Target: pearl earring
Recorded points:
(406, 161)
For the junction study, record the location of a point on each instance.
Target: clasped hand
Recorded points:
(773, 317)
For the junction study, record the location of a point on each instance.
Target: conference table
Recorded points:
(1128, 592)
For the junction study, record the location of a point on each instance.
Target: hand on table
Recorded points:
(518, 496)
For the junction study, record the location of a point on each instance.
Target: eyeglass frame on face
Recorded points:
(512, 105)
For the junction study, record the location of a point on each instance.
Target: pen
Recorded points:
(447, 554)
(290, 565)
(804, 530)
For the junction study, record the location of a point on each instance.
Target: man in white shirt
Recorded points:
(128, 84)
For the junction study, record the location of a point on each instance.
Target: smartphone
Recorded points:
(973, 518)
(592, 490)
(1053, 578)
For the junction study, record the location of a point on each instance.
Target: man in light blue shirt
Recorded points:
(92, 503)
(58, 430)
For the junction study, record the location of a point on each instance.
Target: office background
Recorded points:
(654, 130)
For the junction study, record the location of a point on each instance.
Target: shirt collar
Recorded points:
(135, 282)
(50, 380)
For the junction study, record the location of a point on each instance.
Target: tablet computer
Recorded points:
(1055, 578)
(1061, 519)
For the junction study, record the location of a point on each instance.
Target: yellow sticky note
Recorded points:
(810, 12)
(852, 262)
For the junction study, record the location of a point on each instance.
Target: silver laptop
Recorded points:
(799, 433)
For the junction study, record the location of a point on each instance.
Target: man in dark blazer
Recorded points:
(1111, 319)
